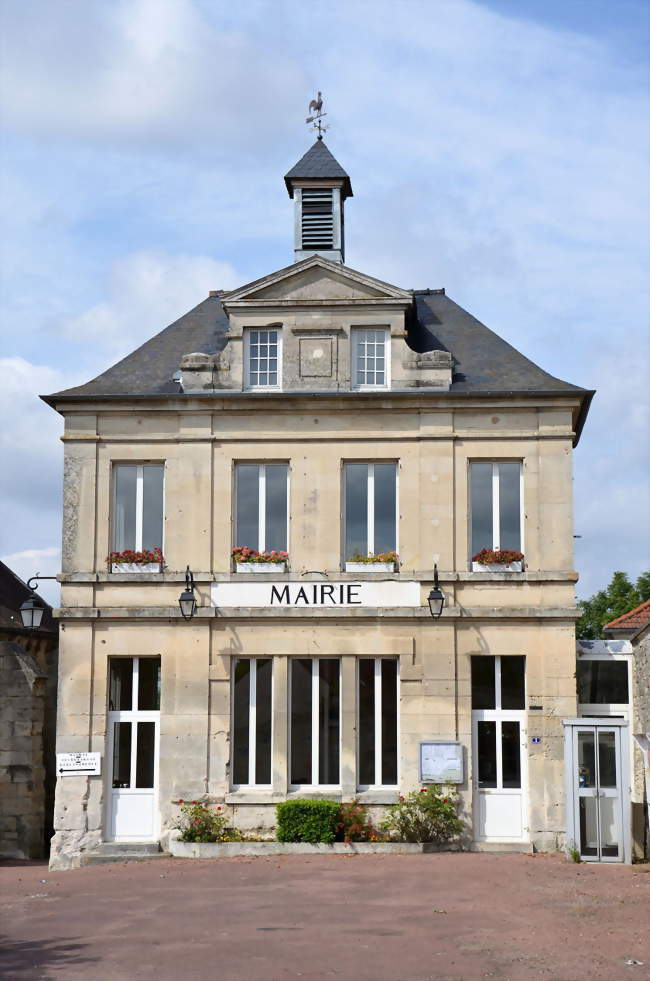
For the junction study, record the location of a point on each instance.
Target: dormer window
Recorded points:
(317, 219)
(262, 357)
(370, 357)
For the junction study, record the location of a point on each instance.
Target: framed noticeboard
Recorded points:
(441, 762)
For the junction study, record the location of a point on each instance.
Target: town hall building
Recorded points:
(319, 463)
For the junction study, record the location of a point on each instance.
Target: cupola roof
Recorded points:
(318, 164)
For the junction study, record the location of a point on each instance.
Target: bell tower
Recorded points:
(319, 186)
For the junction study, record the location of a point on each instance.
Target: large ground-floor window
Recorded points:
(377, 722)
(252, 699)
(315, 721)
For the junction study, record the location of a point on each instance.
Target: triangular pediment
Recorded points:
(316, 279)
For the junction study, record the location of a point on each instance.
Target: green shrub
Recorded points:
(354, 823)
(307, 820)
(425, 815)
(199, 823)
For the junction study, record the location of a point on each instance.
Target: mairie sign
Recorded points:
(299, 594)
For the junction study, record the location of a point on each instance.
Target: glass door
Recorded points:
(133, 741)
(597, 792)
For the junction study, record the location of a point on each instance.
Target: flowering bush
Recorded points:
(241, 553)
(380, 557)
(425, 815)
(139, 558)
(354, 823)
(500, 556)
(199, 823)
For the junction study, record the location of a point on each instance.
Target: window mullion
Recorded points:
(498, 734)
(496, 529)
(315, 678)
(139, 501)
(252, 722)
(261, 504)
(378, 718)
(370, 536)
(134, 724)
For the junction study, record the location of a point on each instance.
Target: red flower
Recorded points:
(424, 790)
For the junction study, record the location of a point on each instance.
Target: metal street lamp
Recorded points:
(187, 600)
(436, 597)
(31, 611)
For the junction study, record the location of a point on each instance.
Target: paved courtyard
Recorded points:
(363, 918)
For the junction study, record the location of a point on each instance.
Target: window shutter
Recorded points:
(317, 219)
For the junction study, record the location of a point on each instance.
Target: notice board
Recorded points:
(441, 762)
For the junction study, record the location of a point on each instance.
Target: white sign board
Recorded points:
(441, 762)
(68, 764)
(299, 594)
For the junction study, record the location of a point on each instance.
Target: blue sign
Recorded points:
(536, 739)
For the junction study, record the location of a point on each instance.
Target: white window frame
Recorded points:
(370, 496)
(315, 740)
(139, 500)
(252, 721)
(496, 531)
(354, 337)
(378, 785)
(248, 385)
(261, 501)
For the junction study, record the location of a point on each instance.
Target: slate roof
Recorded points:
(318, 163)
(483, 362)
(13, 593)
(636, 619)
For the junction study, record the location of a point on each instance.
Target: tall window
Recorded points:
(370, 357)
(252, 713)
(262, 354)
(138, 506)
(495, 501)
(498, 703)
(377, 724)
(134, 704)
(315, 725)
(370, 508)
(261, 506)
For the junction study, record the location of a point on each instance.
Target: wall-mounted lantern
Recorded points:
(187, 600)
(436, 597)
(31, 611)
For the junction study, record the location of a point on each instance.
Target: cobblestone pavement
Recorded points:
(362, 918)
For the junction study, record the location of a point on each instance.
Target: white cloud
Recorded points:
(147, 291)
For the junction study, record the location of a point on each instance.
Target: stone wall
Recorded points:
(23, 707)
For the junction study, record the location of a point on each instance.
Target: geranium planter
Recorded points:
(370, 567)
(130, 567)
(497, 567)
(257, 567)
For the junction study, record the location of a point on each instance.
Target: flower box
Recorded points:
(497, 567)
(128, 567)
(257, 567)
(370, 567)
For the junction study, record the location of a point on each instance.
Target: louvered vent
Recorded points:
(317, 219)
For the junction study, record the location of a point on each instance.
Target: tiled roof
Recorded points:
(636, 619)
(318, 164)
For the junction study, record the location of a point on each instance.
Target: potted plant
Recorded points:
(249, 560)
(382, 562)
(497, 560)
(148, 560)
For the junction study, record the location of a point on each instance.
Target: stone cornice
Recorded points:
(455, 613)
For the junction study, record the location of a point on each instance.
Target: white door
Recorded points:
(499, 753)
(598, 825)
(133, 749)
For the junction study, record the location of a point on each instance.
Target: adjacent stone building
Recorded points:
(328, 415)
(28, 673)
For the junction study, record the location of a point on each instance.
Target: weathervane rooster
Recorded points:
(316, 107)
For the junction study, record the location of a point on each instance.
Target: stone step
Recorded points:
(127, 847)
(521, 847)
(93, 858)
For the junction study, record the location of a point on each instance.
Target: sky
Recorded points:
(498, 149)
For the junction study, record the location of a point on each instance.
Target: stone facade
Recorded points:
(315, 423)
